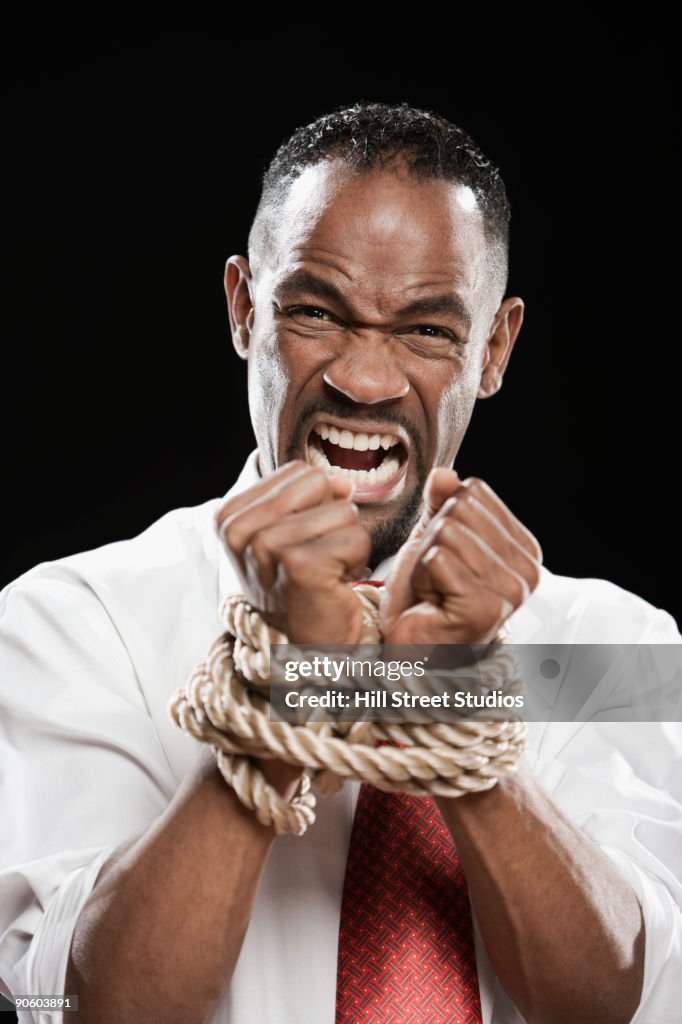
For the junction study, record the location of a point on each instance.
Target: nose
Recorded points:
(366, 369)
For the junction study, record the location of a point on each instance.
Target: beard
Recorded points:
(389, 535)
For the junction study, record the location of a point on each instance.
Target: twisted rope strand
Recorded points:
(225, 703)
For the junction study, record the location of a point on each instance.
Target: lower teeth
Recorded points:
(388, 468)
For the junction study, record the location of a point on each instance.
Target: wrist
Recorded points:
(283, 777)
(512, 790)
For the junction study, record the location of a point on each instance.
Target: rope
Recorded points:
(225, 703)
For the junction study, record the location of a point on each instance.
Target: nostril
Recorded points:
(365, 385)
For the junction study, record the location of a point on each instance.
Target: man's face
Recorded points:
(369, 322)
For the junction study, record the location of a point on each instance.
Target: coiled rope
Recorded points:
(225, 703)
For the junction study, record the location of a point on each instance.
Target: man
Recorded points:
(372, 313)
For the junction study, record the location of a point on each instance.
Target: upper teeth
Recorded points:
(360, 442)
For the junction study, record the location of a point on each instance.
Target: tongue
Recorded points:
(348, 458)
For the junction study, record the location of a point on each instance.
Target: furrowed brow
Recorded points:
(435, 305)
(315, 287)
(303, 281)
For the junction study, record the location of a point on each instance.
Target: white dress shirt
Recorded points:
(91, 648)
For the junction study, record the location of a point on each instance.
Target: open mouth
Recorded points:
(375, 462)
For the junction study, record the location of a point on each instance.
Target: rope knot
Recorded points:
(225, 702)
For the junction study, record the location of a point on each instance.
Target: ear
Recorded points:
(238, 289)
(506, 326)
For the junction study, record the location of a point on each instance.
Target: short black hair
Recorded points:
(376, 136)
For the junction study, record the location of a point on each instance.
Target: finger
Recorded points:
(488, 568)
(462, 596)
(480, 491)
(239, 501)
(338, 555)
(306, 489)
(441, 484)
(479, 520)
(342, 486)
(298, 527)
(428, 587)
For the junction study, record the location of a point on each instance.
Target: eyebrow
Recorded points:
(304, 281)
(446, 305)
(443, 305)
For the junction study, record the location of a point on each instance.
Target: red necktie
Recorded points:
(406, 953)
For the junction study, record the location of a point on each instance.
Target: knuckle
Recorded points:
(441, 529)
(279, 505)
(356, 540)
(535, 576)
(317, 474)
(295, 561)
(473, 484)
(222, 514)
(480, 487)
(231, 533)
(459, 508)
(465, 502)
(435, 557)
(448, 507)
(520, 591)
(498, 610)
(260, 549)
(311, 477)
(357, 531)
(450, 531)
(348, 514)
(316, 481)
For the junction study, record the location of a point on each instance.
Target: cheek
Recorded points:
(268, 386)
(269, 373)
(455, 407)
(281, 363)
(279, 367)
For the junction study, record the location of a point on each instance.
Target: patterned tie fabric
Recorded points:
(406, 953)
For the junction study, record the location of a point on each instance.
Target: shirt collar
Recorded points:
(227, 578)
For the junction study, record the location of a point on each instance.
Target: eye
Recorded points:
(308, 312)
(314, 318)
(431, 331)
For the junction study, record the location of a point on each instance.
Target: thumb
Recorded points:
(342, 486)
(441, 484)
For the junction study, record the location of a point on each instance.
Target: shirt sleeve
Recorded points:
(621, 782)
(81, 769)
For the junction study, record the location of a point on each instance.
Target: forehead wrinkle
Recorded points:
(389, 303)
(303, 259)
(313, 195)
(374, 281)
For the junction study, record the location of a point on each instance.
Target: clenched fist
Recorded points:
(296, 543)
(467, 565)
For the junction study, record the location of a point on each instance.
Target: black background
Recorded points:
(131, 171)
